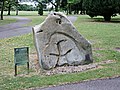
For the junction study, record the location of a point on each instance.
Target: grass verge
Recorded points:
(35, 20)
(105, 40)
(7, 20)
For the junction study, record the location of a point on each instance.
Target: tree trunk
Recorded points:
(17, 8)
(9, 9)
(77, 8)
(2, 9)
(69, 6)
(107, 18)
(40, 8)
(16, 11)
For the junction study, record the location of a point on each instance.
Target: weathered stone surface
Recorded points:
(59, 43)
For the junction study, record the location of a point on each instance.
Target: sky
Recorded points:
(33, 3)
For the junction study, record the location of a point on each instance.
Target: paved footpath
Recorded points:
(106, 84)
(15, 29)
(18, 28)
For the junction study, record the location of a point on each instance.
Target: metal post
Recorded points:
(28, 67)
(15, 70)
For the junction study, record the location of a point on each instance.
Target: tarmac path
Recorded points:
(18, 28)
(105, 84)
(15, 29)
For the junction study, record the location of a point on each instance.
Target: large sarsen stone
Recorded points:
(59, 43)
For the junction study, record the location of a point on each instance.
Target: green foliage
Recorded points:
(63, 4)
(71, 1)
(40, 8)
(58, 4)
(25, 7)
(7, 5)
(105, 8)
(76, 1)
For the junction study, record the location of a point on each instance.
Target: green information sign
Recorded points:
(21, 57)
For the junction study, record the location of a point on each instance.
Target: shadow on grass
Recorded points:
(113, 20)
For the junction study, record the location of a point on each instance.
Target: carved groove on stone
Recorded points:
(54, 54)
(58, 21)
(67, 36)
(40, 31)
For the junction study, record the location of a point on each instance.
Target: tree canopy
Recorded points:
(105, 8)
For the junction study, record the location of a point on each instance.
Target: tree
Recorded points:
(5, 3)
(105, 8)
(82, 9)
(9, 4)
(2, 8)
(76, 6)
(63, 4)
(70, 4)
(16, 4)
(56, 4)
(40, 8)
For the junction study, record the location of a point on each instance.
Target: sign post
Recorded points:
(21, 57)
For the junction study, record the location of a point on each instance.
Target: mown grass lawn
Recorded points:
(105, 39)
(25, 13)
(33, 15)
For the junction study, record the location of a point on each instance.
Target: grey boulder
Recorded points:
(58, 43)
